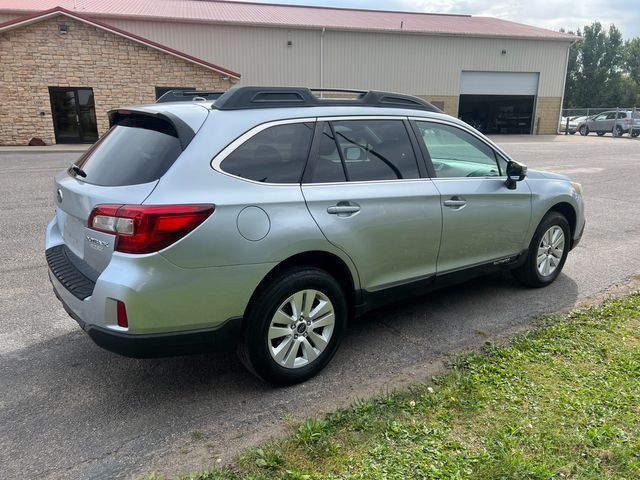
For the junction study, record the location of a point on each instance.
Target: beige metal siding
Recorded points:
(429, 65)
(261, 55)
(416, 64)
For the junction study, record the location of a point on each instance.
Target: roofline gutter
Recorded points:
(567, 38)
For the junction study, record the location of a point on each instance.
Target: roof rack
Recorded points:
(242, 98)
(189, 96)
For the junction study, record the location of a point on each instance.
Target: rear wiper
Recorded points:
(77, 170)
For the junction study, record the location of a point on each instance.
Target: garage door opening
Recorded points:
(490, 114)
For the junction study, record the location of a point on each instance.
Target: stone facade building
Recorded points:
(500, 76)
(61, 72)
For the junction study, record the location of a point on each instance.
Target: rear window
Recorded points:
(136, 150)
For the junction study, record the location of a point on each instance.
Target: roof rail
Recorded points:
(189, 96)
(242, 98)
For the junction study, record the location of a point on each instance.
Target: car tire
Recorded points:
(600, 134)
(542, 256)
(584, 130)
(635, 133)
(617, 131)
(280, 344)
(572, 132)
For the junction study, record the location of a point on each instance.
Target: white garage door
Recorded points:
(499, 83)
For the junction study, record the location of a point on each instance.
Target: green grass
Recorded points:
(562, 401)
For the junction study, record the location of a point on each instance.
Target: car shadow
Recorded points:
(68, 404)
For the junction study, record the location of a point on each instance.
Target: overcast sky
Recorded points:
(553, 14)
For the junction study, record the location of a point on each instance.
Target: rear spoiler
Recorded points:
(189, 96)
(183, 131)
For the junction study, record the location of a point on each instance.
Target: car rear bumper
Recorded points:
(223, 337)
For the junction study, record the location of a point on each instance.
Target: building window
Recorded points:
(162, 90)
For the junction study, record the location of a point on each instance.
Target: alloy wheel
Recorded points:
(550, 251)
(301, 329)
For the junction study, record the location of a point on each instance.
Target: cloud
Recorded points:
(552, 14)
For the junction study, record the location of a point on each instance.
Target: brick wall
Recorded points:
(547, 115)
(119, 70)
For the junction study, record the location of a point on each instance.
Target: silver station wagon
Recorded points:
(262, 221)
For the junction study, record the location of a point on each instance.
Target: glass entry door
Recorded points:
(74, 115)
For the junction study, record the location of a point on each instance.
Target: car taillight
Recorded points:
(147, 228)
(123, 321)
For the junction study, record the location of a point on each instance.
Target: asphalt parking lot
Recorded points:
(71, 410)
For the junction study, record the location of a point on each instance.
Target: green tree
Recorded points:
(632, 58)
(602, 70)
(573, 71)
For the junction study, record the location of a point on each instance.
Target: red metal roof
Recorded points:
(217, 11)
(35, 17)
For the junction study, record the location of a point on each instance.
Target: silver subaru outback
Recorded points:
(264, 220)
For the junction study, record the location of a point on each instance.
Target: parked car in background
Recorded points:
(574, 122)
(264, 220)
(606, 122)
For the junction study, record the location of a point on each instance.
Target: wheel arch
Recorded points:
(323, 260)
(569, 212)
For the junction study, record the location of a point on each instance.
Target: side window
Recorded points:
(275, 155)
(456, 153)
(601, 117)
(375, 150)
(327, 166)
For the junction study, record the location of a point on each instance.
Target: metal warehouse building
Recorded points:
(500, 76)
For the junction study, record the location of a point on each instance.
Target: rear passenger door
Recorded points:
(366, 191)
(482, 220)
(602, 122)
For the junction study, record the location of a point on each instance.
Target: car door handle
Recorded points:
(455, 202)
(343, 209)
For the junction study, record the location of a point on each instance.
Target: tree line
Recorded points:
(603, 69)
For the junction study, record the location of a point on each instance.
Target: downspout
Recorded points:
(322, 59)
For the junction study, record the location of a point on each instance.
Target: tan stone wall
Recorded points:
(547, 115)
(450, 103)
(120, 71)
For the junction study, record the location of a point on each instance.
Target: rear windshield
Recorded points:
(136, 150)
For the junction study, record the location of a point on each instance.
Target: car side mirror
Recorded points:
(352, 153)
(516, 172)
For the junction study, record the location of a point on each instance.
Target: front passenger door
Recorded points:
(482, 220)
(601, 123)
